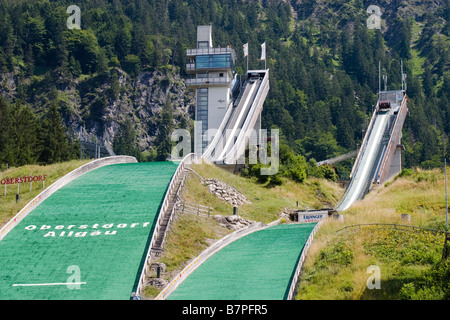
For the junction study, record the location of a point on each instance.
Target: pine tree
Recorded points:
(29, 61)
(54, 139)
(24, 136)
(6, 151)
(427, 82)
(125, 142)
(74, 67)
(165, 124)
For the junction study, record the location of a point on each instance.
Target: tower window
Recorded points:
(202, 45)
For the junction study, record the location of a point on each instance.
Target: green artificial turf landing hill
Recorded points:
(92, 234)
(259, 266)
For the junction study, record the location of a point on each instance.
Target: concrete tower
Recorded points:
(211, 75)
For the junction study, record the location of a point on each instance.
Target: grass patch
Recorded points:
(8, 206)
(188, 237)
(410, 262)
(266, 203)
(416, 61)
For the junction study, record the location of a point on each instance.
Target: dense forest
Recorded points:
(322, 57)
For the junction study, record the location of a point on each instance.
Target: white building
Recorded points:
(211, 75)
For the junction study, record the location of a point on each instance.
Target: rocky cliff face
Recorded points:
(95, 106)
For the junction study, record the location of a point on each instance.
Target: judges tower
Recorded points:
(211, 74)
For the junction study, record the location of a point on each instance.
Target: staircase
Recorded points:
(169, 213)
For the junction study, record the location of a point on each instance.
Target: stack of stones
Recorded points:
(225, 192)
(233, 222)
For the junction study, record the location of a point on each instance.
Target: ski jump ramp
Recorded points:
(379, 157)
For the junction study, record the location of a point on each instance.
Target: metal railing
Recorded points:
(395, 137)
(195, 208)
(195, 52)
(238, 147)
(209, 81)
(365, 140)
(172, 212)
(207, 154)
(210, 67)
(220, 132)
(298, 270)
(400, 227)
(190, 66)
(360, 155)
(182, 206)
(186, 160)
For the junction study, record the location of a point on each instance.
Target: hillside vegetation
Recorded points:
(121, 76)
(267, 202)
(410, 262)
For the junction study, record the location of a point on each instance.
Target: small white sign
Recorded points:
(311, 217)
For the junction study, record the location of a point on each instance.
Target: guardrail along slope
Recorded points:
(92, 233)
(260, 266)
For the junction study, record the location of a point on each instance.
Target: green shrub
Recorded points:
(337, 254)
(406, 172)
(347, 286)
(275, 180)
(297, 174)
(312, 170)
(407, 292)
(328, 173)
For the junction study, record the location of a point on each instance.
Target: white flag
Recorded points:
(263, 51)
(246, 49)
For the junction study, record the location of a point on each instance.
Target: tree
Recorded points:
(427, 82)
(132, 64)
(165, 126)
(34, 32)
(74, 67)
(318, 145)
(54, 140)
(6, 151)
(125, 142)
(24, 136)
(401, 38)
(123, 40)
(83, 45)
(102, 62)
(29, 61)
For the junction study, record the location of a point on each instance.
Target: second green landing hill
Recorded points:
(259, 266)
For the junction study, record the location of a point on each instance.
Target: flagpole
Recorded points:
(246, 53)
(247, 62)
(263, 54)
